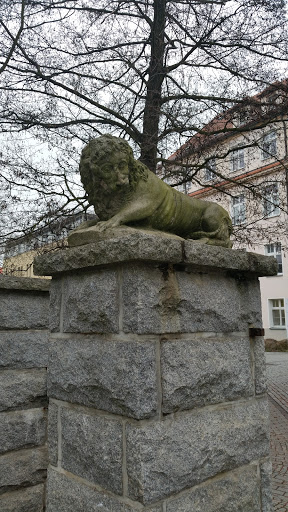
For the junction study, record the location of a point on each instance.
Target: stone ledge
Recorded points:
(137, 245)
(24, 283)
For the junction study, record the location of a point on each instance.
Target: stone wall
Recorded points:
(157, 391)
(24, 308)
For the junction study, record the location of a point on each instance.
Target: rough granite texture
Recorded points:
(23, 400)
(171, 456)
(92, 448)
(156, 389)
(24, 283)
(63, 491)
(22, 388)
(25, 500)
(53, 433)
(23, 468)
(90, 302)
(24, 349)
(21, 429)
(260, 365)
(119, 377)
(205, 371)
(141, 246)
(236, 491)
(20, 310)
(169, 300)
(266, 479)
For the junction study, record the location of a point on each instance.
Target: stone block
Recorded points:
(260, 365)
(266, 484)
(207, 257)
(22, 309)
(90, 302)
(22, 429)
(29, 499)
(169, 300)
(22, 388)
(23, 468)
(215, 302)
(66, 494)
(119, 377)
(53, 433)
(24, 349)
(205, 370)
(236, 491)
(92, 448)
(55, 304)
(172, 455)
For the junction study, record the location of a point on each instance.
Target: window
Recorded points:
(277, 313)
(238, 210)
(275, 250)
(271, 200)
(269, 145)
(237, 159)
(210, 170)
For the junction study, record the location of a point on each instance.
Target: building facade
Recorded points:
(240, 161)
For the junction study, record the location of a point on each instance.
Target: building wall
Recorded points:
(257, 172)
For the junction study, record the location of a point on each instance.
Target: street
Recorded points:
(277, 377)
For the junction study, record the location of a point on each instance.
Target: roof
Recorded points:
(222, 126)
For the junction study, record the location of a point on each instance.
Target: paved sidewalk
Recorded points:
(277, 375)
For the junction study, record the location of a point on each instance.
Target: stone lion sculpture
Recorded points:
(124, 191)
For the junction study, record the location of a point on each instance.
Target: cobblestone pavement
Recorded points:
(277, 375)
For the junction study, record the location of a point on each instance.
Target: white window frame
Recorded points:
(275, 250)
(210, 170)
(238, 210)
(271, 200)
(269, 145)
(281, 307)
(237, 159)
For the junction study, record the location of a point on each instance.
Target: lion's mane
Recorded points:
(105, 203)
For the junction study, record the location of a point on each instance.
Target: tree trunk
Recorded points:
(154, 85)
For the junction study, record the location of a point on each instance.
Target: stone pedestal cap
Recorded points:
(24, 283)
(126, 245)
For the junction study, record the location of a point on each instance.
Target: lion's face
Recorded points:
(106, 181)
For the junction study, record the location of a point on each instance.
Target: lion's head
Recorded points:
(104, 162)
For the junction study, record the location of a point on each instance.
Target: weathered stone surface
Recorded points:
(266, 483)
(23, 468)
(236, 491)
(22, 429)
(134, 245)
(119, 377)
(53, 433)
(143, 246)
(90, 302)
(29, 499)
(260, 365)
(169, 300)
(20, 388)
(92, 448)
(23, 309)
(205, 371)
(171, 456)
(55, 305)
(24, 283)
(214, 302)
(226, 259)
(26, 349)
(66, 494)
